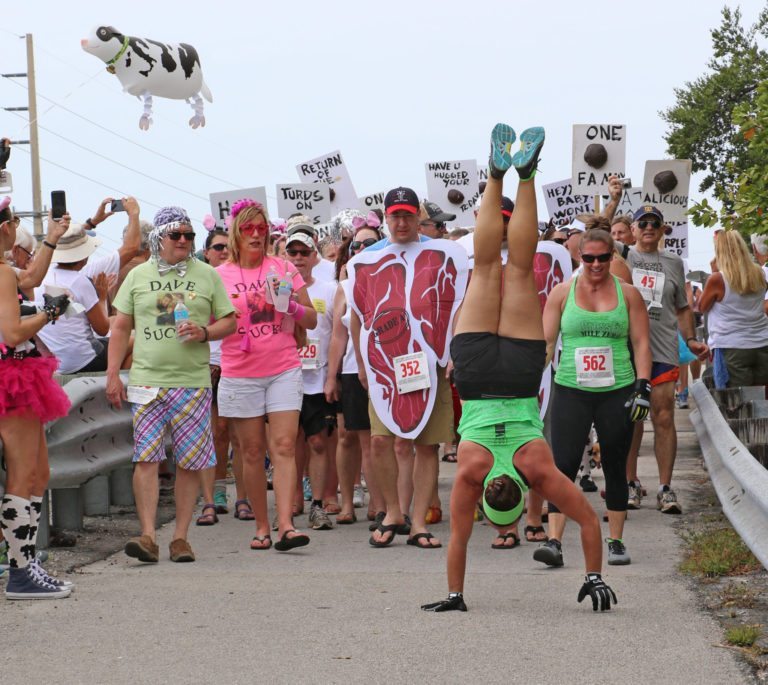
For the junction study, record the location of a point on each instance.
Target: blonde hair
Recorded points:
(244, 216)
(736, 265)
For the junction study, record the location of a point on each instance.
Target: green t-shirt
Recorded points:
(159, 359)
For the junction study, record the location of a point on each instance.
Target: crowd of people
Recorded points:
(276, 357)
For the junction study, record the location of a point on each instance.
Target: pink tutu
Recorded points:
(27, 385)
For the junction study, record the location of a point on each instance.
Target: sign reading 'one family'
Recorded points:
(222, 202)
(311, 199)
(452, 186)
(665, 185)
(372, 201)
(330, 169)
(599, 152)
(563, 204)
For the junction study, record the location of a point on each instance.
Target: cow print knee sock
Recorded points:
(35, 508)
(14, 519)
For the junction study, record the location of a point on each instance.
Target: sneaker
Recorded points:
(617, 553)
(24, 583)
(500, 158)
(143, 549)
(358, 499)
(318, 519)
(220, 501)
(682, 399)
(666, 501)
(181, 551)
(587, 484)
(36, 568)
(549, 553)
(635, 496)
(526, 159)
(307, 487)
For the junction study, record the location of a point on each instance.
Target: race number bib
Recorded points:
(650, 284)
(594, 367)
(310, 354)
(411, 372)
(141, 394)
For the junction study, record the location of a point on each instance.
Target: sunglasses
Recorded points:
(219, 247)
(189, 236)
(358, 245)
(559, 241)
(293, 252)
(250, 229)
(654, 224)
(602, 258)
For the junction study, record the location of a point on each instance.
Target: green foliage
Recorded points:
(707, 123)
(717, 552)
(742, 636)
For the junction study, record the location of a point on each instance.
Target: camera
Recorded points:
(626, 183)
(117, 206)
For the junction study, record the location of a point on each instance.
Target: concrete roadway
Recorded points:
(339, 611)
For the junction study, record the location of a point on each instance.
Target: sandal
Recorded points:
(207, 519)
(332, 508)
(505, 537)
(285, 543)
(532, 531)
(346, 519)
(391, 528)
(414, 541)
(243, 511)
(434, 515)
(450, 457)
(262, 539)
(377, 520)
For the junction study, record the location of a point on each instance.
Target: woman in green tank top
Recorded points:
(597, 315)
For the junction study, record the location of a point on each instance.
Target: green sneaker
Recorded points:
(500, 159)
(526, 159)
(220, 501)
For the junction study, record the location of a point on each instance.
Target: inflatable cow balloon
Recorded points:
(147, 67)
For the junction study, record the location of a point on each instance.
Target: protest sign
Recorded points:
(373, 201)
(222, 202)
(676, 241)
(665, 185)
(452, 186)
(631, 199)
(562, 204)
(312, 199)
(599, 152)
(330, 169)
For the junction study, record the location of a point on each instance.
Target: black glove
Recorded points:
(55, 306)
(639, 402)
(600, 593)
(455, 602)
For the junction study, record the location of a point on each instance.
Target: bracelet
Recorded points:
(47, 244)
(205, 330)
(89, 222)
(687, 340)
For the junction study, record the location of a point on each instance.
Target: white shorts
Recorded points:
(247, 398)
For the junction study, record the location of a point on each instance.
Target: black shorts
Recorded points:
(487, 366)
(99, 362)
(354, 403)
(316, 415)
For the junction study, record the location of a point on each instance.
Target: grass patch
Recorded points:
(738, 595)
(742, 636)
(719, 552)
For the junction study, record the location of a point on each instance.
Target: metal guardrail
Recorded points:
(740, 481)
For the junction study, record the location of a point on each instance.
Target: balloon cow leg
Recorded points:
(146, 119)
(197, 106)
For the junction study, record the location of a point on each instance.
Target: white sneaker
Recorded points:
(666, 502)
(358, 500)
(635, 496)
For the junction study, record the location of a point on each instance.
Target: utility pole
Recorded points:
(34, 152)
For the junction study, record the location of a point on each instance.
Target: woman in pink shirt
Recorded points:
(261, 370)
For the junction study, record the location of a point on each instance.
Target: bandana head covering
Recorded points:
(168, 219)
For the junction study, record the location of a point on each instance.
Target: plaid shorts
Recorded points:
(188, 413)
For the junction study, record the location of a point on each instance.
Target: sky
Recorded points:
(392, 85)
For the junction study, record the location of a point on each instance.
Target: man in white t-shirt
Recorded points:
(317, 417)
(323, 269)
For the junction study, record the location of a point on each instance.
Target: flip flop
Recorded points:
(207, 519)
(531, 531)
(505, 537)
(262, 539)
(391, 528)
(377, 520)
(450, 457)
(243, 511)
(414, 541)
(285, 543)
(332, 508)
(346, 519)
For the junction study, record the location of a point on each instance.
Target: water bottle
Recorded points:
(271, 285)
(284, 290)
(180, 316)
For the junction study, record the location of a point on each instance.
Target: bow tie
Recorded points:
(164, 267)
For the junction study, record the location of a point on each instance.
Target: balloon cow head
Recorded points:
(147, 67)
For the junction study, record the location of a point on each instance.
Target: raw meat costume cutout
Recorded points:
(406, 297)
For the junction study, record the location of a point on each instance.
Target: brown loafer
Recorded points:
(181, 551)
(143, 549)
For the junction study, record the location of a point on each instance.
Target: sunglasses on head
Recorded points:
(293, 252)
(219, 247)
(178, 235)
(362, 244)
(653, 223)
(250, 229)
(602, 258)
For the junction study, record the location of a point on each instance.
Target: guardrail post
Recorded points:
(44, 526)
(67, 508)
(121, 486)
(96, 496)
